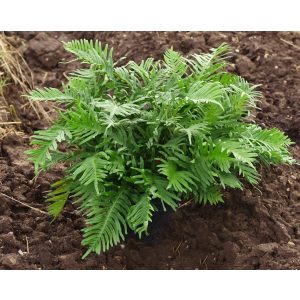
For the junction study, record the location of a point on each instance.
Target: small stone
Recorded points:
(68, 257)
(21, 252)
(291, 244)
(245, 65)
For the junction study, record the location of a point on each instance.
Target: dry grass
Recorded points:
(14, 70)
(13, 65)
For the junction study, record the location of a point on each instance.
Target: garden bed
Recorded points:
(254, 229)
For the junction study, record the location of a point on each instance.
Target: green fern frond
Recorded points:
(140, 214)
(248, 172)
(239, 151)
(220, 159)
(196, 130)
(59, 196)
(205, 93)
(106, 220)
(92, 169)
(244, 90)
(47, 94)
(160, 191)
(203, 171)
(205, 65)
(92, 53)
(47, 141)
(180, 181)
(175, 62)
(84, 125)
(229, 179)
(115, 109)
(144, 70)
(211, 195)
(128, 78)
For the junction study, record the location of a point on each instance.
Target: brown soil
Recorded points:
(255, 229)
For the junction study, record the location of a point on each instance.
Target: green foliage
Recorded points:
(169, 130)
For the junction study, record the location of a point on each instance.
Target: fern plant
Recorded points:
(159, 130)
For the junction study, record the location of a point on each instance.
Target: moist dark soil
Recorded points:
(258, 228)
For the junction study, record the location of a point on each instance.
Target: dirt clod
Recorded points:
(9, 260)
(45, 50)
(267, 248)
(5, 224)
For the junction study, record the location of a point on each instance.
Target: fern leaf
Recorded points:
(208, 93)
(211, 195)
(202, 171)
(245, 155)
(175, 62)
(47, 94)
(92, 53)
(47, 141)
(143, 70)
(91, 170)
(106, 219)
(229, 179)
(220, 158)
(159, 190)
(270, 144)
(195, 130)
(181, 181)
(250, 173)
(140, 214)
(115, 109)
(58, 196)
(84, 125)
(206, 65)
(243, 89)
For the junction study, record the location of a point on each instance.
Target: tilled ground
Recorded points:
(254, 229)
